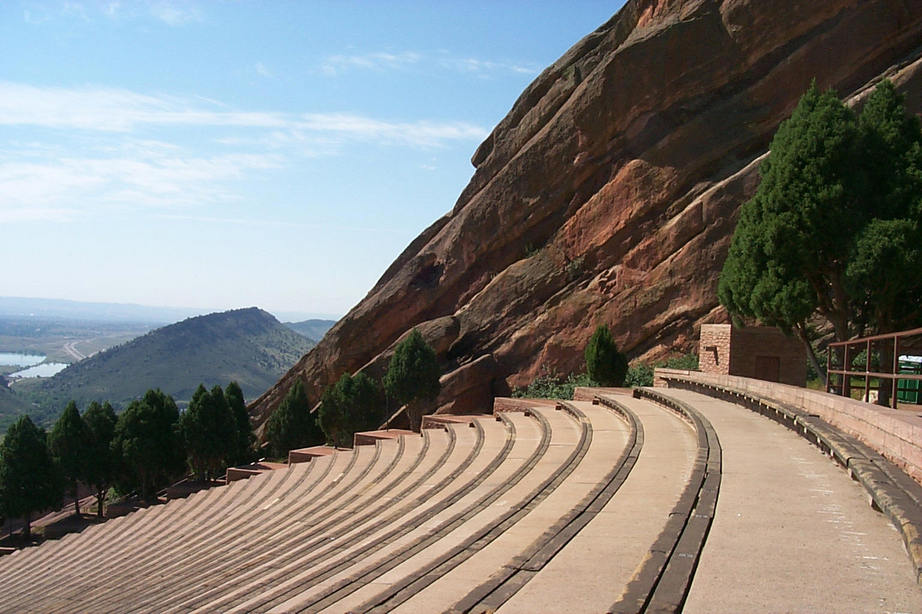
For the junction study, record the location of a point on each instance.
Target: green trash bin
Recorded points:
(908, 389)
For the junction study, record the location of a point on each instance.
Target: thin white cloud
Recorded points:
(210, 219)
(175, 13)
(117, 110)
(262, 71)
(383, 60)
(485, 67)
(380, 60)
(110, 109)
(35, 214)
(114, 148)
(152, 179)
(419, 133)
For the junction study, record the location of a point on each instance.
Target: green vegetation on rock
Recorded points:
(553, 386)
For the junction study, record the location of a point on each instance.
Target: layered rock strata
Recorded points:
(609, 192)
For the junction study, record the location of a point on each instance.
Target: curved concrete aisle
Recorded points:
(601, 559)
(792, 532)
(609, 438)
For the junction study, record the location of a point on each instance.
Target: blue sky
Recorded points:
(225, 154)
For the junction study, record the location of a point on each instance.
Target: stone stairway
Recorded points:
(609, 503)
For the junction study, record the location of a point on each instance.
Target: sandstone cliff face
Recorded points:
(609, 192)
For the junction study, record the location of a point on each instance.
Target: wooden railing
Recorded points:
(841, 371)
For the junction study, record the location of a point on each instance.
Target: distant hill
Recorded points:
(246, 345)
(312, 329)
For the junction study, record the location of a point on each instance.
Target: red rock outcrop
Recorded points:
(609, 192)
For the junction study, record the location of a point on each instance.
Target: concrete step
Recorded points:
(677, 501)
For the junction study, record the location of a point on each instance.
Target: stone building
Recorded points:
(762, 352)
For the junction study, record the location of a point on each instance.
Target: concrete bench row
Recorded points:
(593, 505)
(398, 523)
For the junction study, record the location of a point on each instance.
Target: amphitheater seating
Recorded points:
(607, 503)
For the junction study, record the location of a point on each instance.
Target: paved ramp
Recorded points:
(792, 531)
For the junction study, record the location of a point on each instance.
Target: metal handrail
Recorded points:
(844, 386)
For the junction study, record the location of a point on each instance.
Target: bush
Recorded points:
(553, 386)
(604, 363)
(638, 375)
(641, 373)
(688, 362)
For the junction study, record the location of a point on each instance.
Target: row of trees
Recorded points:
(141, 450)
(357, 402)
(835, 227)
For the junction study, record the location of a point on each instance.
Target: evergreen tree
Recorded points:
(148, 444)
(29, 479)
(244, 439)
(413, 376)
(833, 228)
(351, 404)
(604, 363)
(291, 425)
(209, 432)
(883, 275)
(100, 469)
(68, 441)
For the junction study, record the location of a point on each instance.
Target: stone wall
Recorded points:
(760, 352)
(714, 348)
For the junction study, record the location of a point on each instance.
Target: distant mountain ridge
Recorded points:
(312, 329)
(246, 345)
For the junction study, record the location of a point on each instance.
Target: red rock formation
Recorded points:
(609, 192)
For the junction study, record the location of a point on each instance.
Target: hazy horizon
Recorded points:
(57, 308)
(215, 155)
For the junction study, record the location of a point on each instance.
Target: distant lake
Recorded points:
(20, 360)
(43, 370)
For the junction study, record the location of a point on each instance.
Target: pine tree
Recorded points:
(834, 227)
(350, 405)
(148, 443)
(100, 469)
(68, 442)
(292, 425)
(604, 363)
(413, 376)
(29, 479)
(244, 438)
(209, 432)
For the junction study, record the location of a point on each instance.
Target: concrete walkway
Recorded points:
(792, 532)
